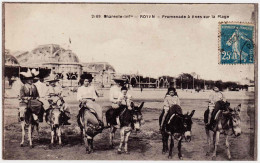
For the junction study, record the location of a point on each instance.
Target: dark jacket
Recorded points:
(25, 92)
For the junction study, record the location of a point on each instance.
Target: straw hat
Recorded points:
(27, 74)
(52, 78)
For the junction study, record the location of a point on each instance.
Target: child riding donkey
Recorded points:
(54, 96)
(217, 101)
(172, 104)
(119, 98)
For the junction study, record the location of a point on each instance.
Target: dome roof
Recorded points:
(11, 60)
(47, 54)
(99, 66)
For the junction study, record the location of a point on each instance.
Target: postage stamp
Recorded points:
(236, 43)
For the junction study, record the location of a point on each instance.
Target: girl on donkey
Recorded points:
(87, 96)
(171, 100)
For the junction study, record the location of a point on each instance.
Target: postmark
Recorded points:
(236, 43)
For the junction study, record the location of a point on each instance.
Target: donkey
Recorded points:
(53, 118)
(89, 127)
(177, 126)
(26, 119)
(227, 122)
(129, 120)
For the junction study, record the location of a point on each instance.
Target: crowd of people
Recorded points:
(36, 95)
(40, 96)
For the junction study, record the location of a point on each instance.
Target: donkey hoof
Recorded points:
(169, 157)
(126, 152)
(31, 146)
(213, 157)
(119, 152)
(21, 145)
(229, 158)
(180, 158)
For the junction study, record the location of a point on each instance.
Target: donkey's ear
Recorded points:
(132, 105)
(192, 113)
(141, 106)
(238, 108)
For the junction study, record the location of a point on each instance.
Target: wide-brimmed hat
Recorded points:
(28, 75)
(52, 78)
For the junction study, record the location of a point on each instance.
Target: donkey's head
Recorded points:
(22, 110)
(55, 116)
(187, 123)
(235, 120)
(137, 116)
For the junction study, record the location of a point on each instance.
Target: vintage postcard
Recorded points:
(132, 81)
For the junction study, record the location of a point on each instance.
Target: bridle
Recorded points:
(231, 122)
(187, 127)
(52, 115)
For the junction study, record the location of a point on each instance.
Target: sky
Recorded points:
(151, 47)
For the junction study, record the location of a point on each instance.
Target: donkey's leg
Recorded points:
(164, 143)
(92, 143)
(208, 141)
(59, 134)
(228, 150)
(30, 135)
(37, 129)
(122, 137)
(214, 139)
(167, 142)
(82, 135)
(32, 130)
(126, 141)
(23, 133)
(171, 147)
(112, 135)
(179, 149)
(52, 135)
(216, 144)
(87, 144)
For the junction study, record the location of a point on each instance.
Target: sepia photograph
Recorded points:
(129, 81)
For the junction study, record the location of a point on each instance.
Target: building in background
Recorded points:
(11, 72)
(64, 64)
(102, 72)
